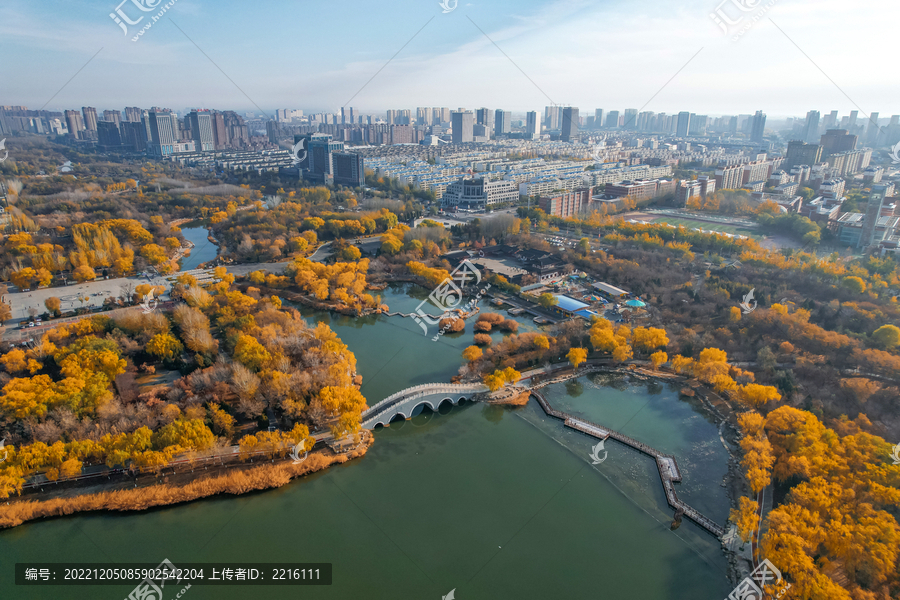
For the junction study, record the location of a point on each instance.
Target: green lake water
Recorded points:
(492, 502)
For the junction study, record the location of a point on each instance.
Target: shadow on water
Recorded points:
(574, 388)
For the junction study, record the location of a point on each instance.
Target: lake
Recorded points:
(492, 502)
(203, 250)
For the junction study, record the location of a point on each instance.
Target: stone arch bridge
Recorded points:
(432, 395)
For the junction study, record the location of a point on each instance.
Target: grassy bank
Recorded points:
(237, 482)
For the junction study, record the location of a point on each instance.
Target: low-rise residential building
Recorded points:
(480, 193)
(638, 190)
(566, 204)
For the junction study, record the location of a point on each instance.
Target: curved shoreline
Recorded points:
(241, 480)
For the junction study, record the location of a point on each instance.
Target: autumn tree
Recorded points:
(164, 346)
(472, 353)
(647, 339)
(250, 352)
(658, 358)
(52, 304)
(758, 457)
(547, 300)
(854, 284)
(745, 518)
(887, 336)
(756, 396)
(577, 356)
(84, 273)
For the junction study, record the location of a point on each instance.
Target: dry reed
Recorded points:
(236, 482)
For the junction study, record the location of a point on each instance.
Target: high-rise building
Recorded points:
(830, 120)
(133, 114)
(598, 118)
(220, 134)
(684, 124)
(801, 153)
(630, 118)
(108, 136)
(872, 130)
(349, 169)
(873, 213)
(485, 116)
(162, 133)
(201, 126)
(532, 126)
(758, 128)
(113, 116)
(837, 140)
(272, 131)
(90, 117)
(424, 115)
(134, 136)
(75, 124)
(811, 128)
(552, 117)
(698, 125)
(461, 124)
(851, 123)
(502, 122)
(612, 119)
(321, 161)
(569, 124)
(445, 114)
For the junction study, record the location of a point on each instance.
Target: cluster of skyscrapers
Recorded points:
(157, 131)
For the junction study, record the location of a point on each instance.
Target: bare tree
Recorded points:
(127, 291)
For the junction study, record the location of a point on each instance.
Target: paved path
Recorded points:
(665, 463)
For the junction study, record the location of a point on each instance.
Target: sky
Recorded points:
(784, 57)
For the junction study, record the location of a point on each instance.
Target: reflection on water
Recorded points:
(496, 502)
(203, 250)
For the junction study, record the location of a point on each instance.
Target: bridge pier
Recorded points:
(405, 402)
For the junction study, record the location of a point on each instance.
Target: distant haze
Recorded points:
(317, 56)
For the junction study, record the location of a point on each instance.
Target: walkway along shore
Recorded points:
(668, 467)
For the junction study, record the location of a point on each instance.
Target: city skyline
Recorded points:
(525, 70)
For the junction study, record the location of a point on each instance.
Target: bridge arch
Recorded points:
(404, 403)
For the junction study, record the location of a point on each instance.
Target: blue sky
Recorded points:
(317, 55)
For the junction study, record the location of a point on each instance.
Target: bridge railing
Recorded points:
(424, 389)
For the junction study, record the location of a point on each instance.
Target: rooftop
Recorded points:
(569, 304)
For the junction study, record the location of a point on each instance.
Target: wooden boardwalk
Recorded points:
(665, 463)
